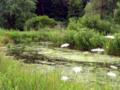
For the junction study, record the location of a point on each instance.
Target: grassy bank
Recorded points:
(83, 40)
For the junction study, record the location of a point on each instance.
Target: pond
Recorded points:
(79, 66)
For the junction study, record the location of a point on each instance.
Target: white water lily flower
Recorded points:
(111, 74)
(110, 37)
(97, 50)
(65, 45)
(64, 78)
(113, 67)
(77, 69)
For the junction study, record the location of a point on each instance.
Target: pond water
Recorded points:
(71, 63)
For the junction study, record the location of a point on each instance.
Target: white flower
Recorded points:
(77, 69)
(111, 74)
(97, 50)
(113, 67)
(65, 45)
(110, 37)
(64, 78)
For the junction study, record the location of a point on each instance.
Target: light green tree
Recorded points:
(104, 8)
(117, 13)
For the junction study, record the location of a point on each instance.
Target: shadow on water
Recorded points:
(40, 55)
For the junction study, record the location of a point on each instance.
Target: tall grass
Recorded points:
(84, 39)
(15, 75)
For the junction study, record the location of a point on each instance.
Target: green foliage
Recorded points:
(57, 37)
(91, 22)
(69, 37)
(27, 37)
(75, 8)
(40, 22)
(88, 39)
(14, 13)
(84, 39)
(117, 13)
(113, 46)
(104, 8)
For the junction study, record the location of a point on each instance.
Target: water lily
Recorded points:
(65, 45)
(64, 78)
(111, 74)
(110, 37)
(113, 67)
(77, 69)
(97, 50)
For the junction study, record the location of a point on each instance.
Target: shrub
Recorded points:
(69, 37)
(39, 22)
(87, 40)
(74, 24)
(91, 22)
(27, 37)
(57, 37)
(113, 46)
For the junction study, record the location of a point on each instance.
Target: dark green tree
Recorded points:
(76, 8)
(13, 13)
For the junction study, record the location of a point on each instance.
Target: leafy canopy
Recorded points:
(13, 13)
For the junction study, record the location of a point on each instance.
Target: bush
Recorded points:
(74, 24)
(113, 46)
(87, 40)
(57, 37)
(91, 22)
(69, 37)
(40, 22)
(27, 37)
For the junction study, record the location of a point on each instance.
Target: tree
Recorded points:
(59, 9)
(104, 8)
(76, 7)
(117, 13)
(13, 13)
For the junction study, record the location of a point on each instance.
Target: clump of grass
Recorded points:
(88, 39)
(113, 45)
(35, 36)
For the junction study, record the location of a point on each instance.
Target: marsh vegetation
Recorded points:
(60, 45)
